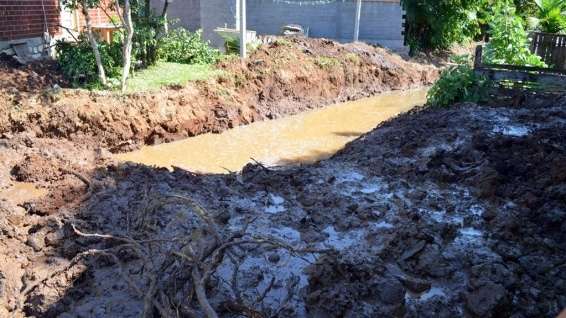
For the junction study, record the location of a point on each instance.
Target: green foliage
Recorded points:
(509, 43)
(182, 46)
(458, 83)
(525, 8)
(550, 16)
(75, 4)
(437, 24)
(326, 63)
(148, 28)
(79, 65)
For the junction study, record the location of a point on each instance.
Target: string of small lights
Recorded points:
(306, 2)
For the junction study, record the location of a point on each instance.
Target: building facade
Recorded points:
(381, 21)
(38, 23)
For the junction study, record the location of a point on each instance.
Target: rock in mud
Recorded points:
(487, 300)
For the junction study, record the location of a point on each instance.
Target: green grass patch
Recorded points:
(326, 63)
(165, 73)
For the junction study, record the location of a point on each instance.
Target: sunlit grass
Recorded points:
(165, 73)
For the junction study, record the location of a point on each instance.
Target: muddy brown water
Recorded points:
(303, 138)
(20, 192)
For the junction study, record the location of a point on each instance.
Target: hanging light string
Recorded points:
(305, 2)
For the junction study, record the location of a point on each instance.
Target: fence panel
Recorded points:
(551, 48)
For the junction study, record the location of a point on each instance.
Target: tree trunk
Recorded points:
(164, 16)
(127, 45)
(93, 44)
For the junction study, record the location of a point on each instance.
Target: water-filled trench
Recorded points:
(303, 138)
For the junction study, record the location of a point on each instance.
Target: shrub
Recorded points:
(550, 16)
(509, 43)
(456, 84)
(182, 46)
(79, 65)
(437, 24)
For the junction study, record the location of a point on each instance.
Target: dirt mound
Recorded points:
(439, 213)
(285, 77)
(32, 77)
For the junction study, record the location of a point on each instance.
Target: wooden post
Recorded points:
(357, 21)
(478, 58)
(243, 31)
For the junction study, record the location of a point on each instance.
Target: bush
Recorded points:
(458, 83)
(182, 46)
(550, 16)
(509, 43)
(79, 65)
(437, 24)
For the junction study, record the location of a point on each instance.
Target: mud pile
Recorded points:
(438, 213)
(33, 77)
(282, 78)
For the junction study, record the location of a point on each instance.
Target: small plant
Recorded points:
(353, 58)
(456, 84)
(182, 46)
(78, 63)
(282, 42)
(509, 43)
(326, 63)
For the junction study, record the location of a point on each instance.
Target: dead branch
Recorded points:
(78, 175)
(260, 164)
(269, 287)
(199, 283)
(201, 213)
(141, 252)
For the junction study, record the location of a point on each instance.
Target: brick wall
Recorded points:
(97, 16)
(25, 18)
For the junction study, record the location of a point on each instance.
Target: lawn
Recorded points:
(165, 73)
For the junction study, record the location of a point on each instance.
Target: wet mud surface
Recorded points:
(454, 212)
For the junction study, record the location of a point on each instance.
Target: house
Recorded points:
(30, 27)
(381, 21)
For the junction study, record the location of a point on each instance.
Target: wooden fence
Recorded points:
(528, 76)
(551, 48)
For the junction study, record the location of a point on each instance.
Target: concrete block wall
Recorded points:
(201, 14)
(268, 16)
(185, 12)
(381, 20)
(214, 14)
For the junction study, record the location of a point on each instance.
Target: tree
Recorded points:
(437, 24)
(509, 43)
(85, 5)
(150, 28)
(127, 44)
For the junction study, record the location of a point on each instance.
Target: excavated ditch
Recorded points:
(456, 212)
(438, 213)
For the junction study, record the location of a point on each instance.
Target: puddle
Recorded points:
(342, 240)
(431, 293)
(21, 192)
(303, 138)
(506, 127)
(512, 130)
